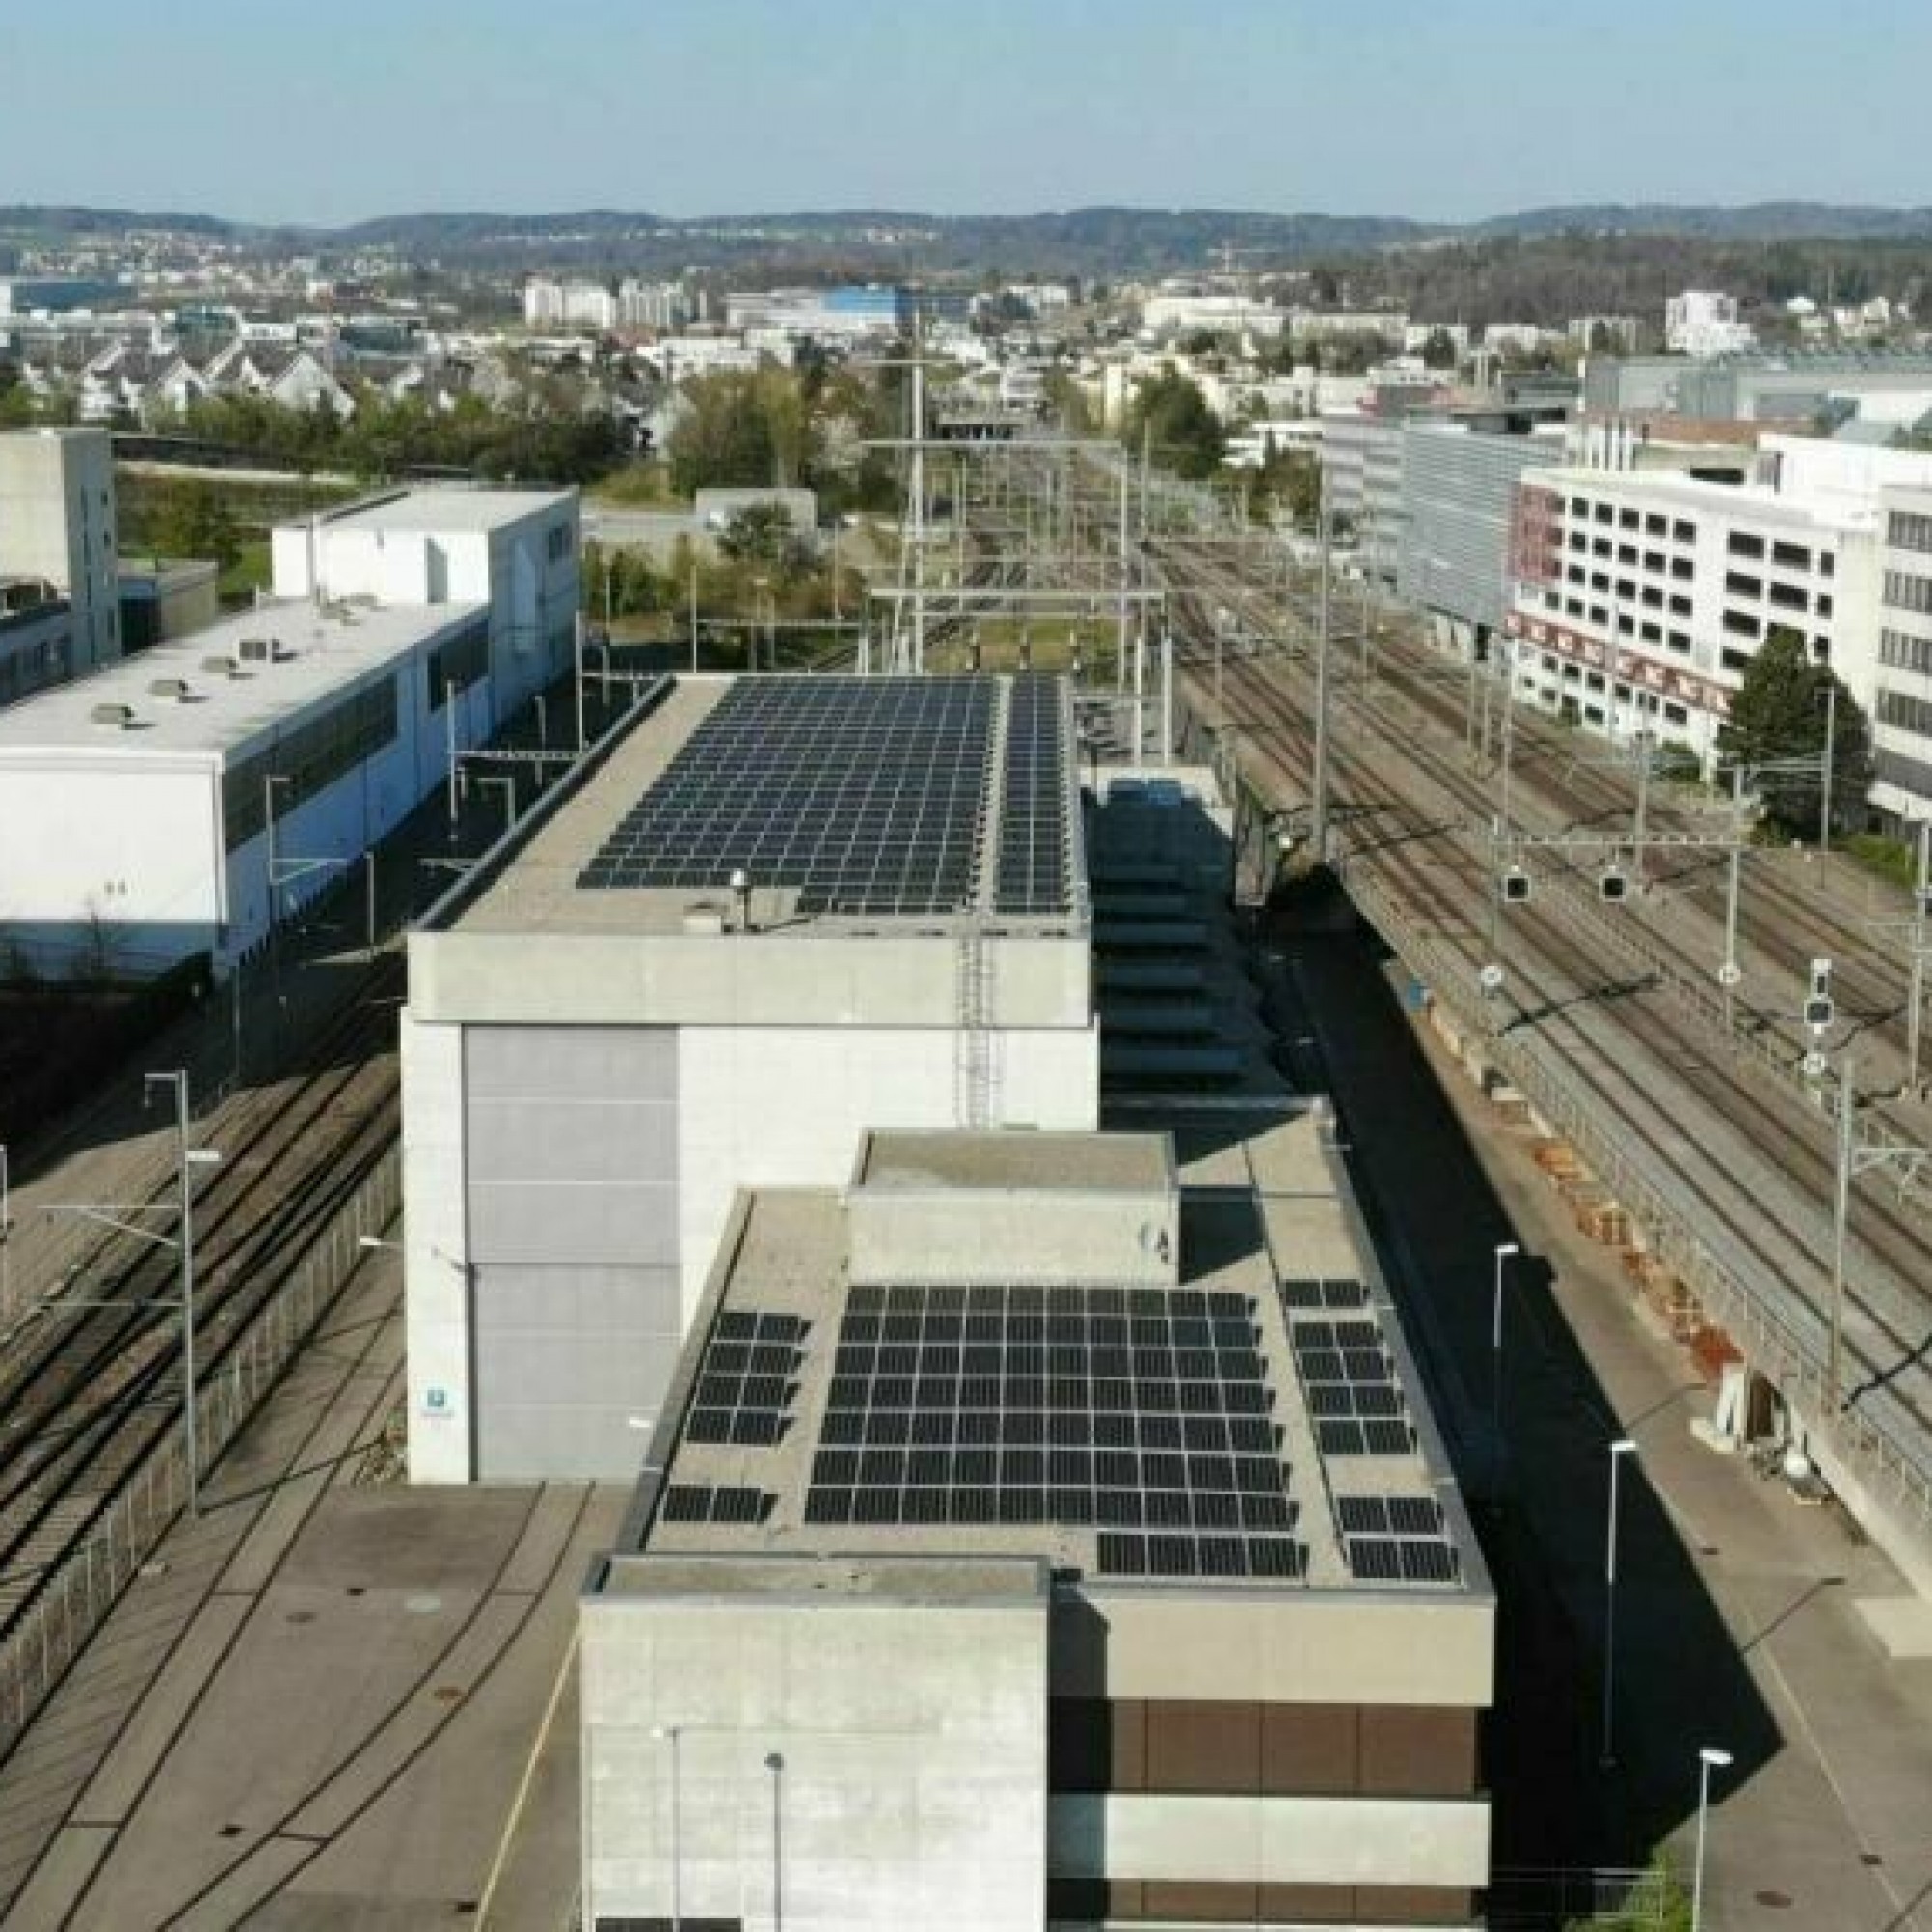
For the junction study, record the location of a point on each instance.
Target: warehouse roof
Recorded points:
(1259, 1424)
(914, 800)
(449, 510)
(223, 686)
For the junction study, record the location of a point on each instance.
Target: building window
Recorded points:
(460, 661)
(1651, 634)
(1627, 553)
(1904, 531)
(1788, 597)
(1676, 714)
(1906, 591)
(1745, 544)
(1905, 713)
(1654, 526)
(1628, 520)
(1682, 532)
(1678, 640)
(1654, 560)
(1680, 606)
(1794, 557)
(1898, 652)
(1735, 660)
(1682, 567)
(1604, 514)
(1741, 586)
(310, 758)
(1740, 625)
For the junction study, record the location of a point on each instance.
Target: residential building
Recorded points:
(1181, 314)
(554, 305)
(663, 306)
(57, 558)
(1701, 322)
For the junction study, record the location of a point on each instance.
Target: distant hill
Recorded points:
(1091, 241)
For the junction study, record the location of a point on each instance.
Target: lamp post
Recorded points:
(1824, 768)
(775, 1764)
(1506, 1251)
(1709, 1759)
(673, 1732)
(1619, 1449)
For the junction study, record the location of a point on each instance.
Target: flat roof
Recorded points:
(326, 654)
(864, 801)
(1259, 1426)
(443, 508)
(1076, 1163)
(1831, 511)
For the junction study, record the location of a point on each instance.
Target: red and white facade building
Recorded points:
(1638, 598)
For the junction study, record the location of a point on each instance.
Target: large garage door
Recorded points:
(572, 1141)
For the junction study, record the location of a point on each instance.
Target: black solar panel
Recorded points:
(866, 796)
(1144, 1414)
(1033, 860)
(704, 1502)
(746, 1380)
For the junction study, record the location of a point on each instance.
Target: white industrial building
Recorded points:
(515, 551)
(1042, 1530)
(1902, 701)
(144, 809)
(1703, 322)
(554, 305)
(606, 1038)
(60, 612)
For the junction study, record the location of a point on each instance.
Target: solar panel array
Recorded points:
(747, 1379)
(1310, 1293)
(1142, 1412)
(722, 1502)
(865, 795)
(1398, 1539)
(1033, 860)
(1355, 1401)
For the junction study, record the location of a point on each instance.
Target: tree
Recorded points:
(1438, 351)
(194, 520)
(1781, 713)
(762, 536)
(1173, 413)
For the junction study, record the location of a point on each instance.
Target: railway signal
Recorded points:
(1820, 1009)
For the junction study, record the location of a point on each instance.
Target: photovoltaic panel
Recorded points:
(747, 1378)
(1034, 836)
(1142, 1414)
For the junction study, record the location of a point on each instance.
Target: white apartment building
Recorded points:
(1702, 323)
(552, 304)
(1219, 315)
(1641, 599)
(658, 305)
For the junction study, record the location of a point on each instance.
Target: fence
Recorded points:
(74, 1599)
(1527, 1900)
(1787, 1345)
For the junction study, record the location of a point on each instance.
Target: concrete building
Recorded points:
(138, 807)
(606, 1038)
(1793, 388)
(1901, 708)
(162, 600)
(512, 552)
(1458, 503)
(1165, 315)
(1641, 598)
(1362, 455)
(1042, 1530)
(1701, 322)
(60, 613)
(554, 305)
(660, 305)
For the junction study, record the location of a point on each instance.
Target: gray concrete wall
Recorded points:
(904, 1235)
(913, 1796)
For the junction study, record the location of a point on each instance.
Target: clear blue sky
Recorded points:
(1443, 110)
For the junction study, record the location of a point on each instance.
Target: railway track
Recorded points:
(1748, 1162)
(90, 1394)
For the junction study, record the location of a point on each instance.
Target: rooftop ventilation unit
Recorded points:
(220, 666)
(175, 688)
(120, 717)
(257, 650)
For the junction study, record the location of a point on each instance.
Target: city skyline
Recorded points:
(1261, 107)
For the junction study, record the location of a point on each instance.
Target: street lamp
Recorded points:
(1709, 1759)
(775, 1764)
(673, 1732)
(1506, 1252)
(1619, 1449)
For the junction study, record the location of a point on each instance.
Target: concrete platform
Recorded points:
(321, 1710)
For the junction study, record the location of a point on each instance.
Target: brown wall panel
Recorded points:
(1310, 1748)
(1414, 1905)
(1317, 1904)
(1410, 1750)
(1129, 1747)
(1201, 1902)
(1203, 1747)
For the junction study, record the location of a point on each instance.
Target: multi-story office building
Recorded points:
(1641, 598)
(1458, 505)
(658, 305)
(60, 613)
(1902, 697)
(1703, 322)
(1362, 456)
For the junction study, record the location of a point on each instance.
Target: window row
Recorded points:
(306, 761)
(1898, 652)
